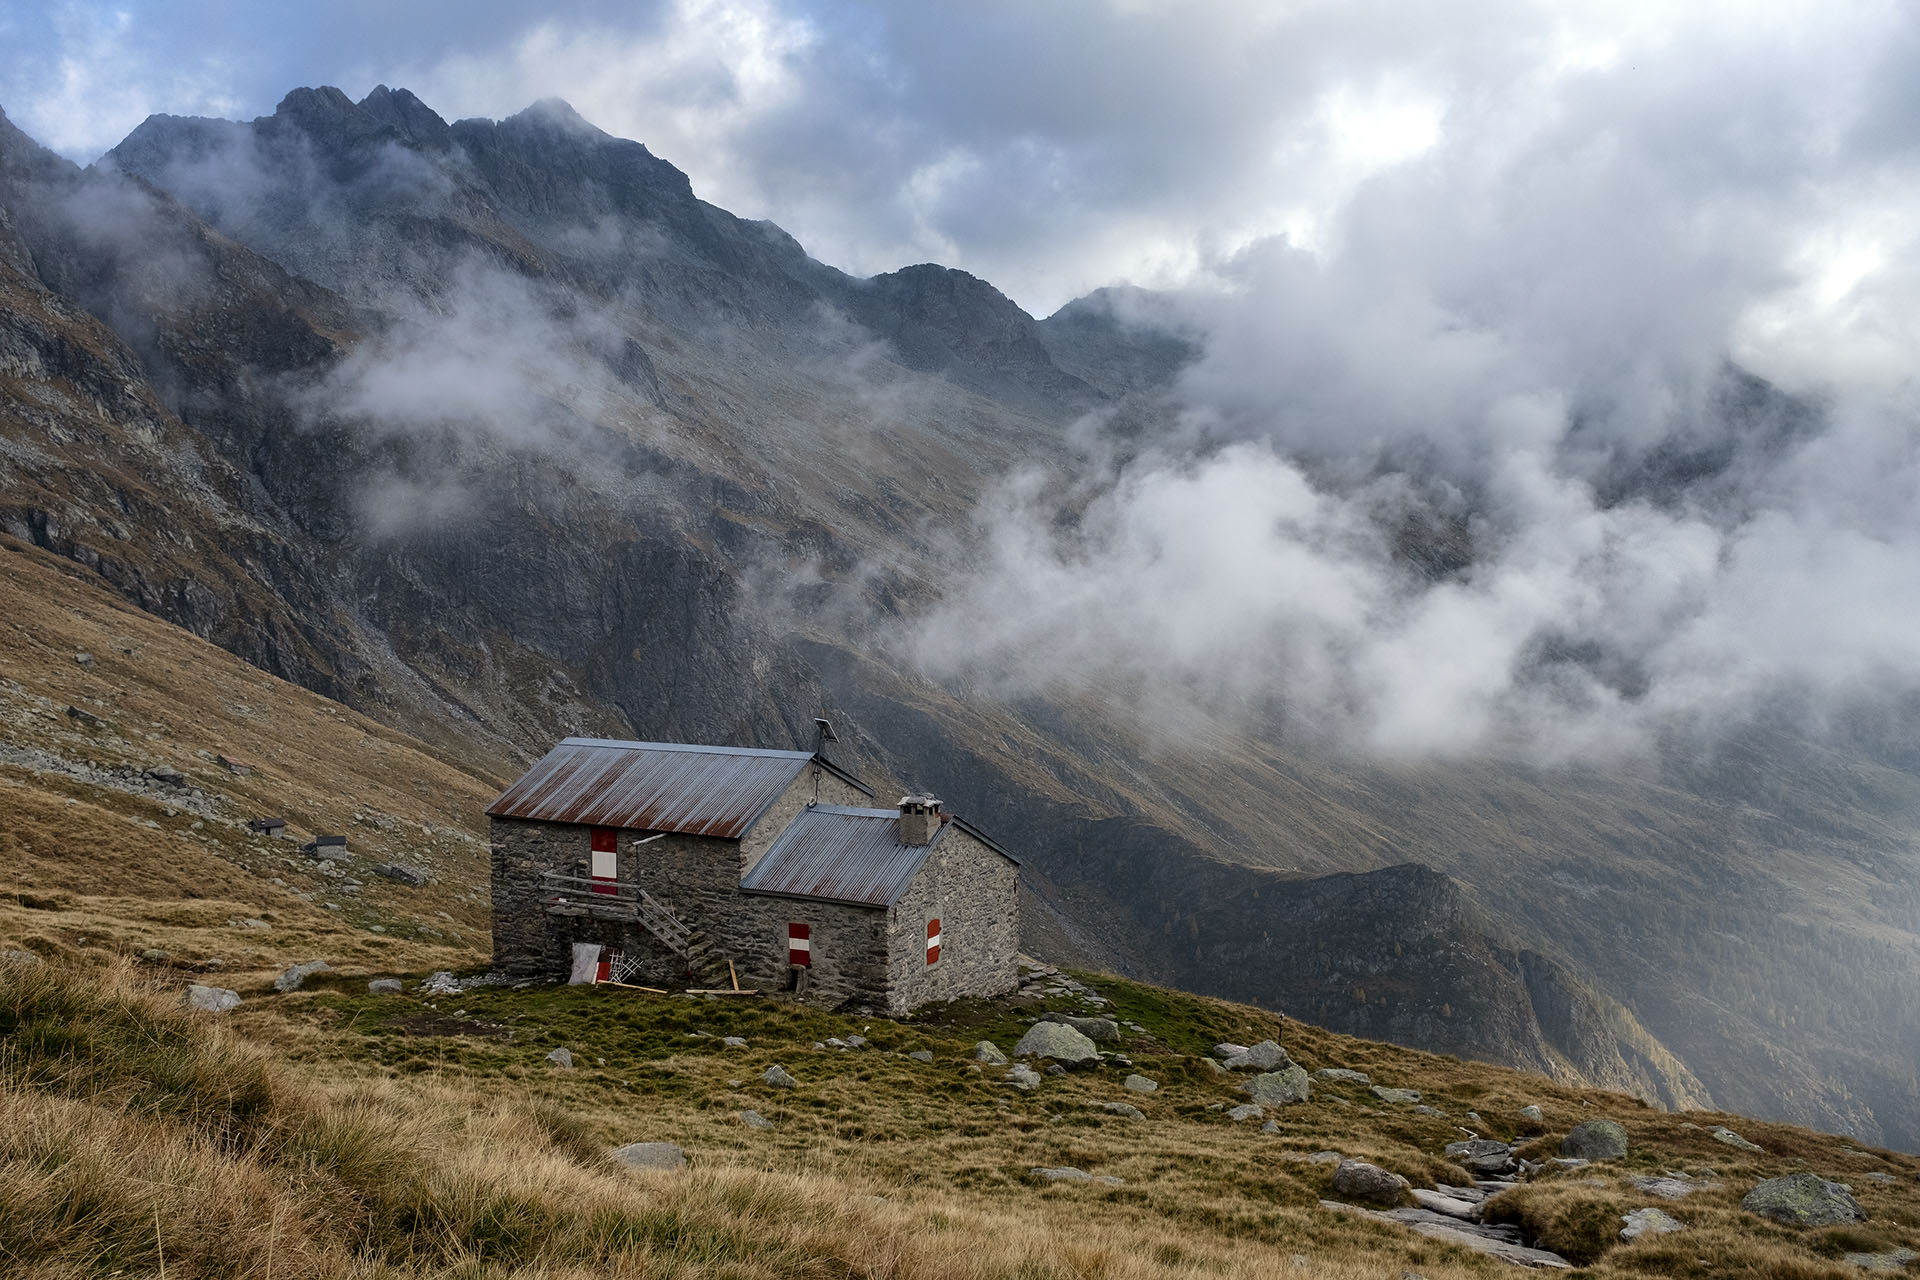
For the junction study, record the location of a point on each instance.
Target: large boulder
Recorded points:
(1804, 1200)
(1098, 1030)
(1058, 1041)
(1265, 1056)
(1358, 1180)
(1277, 1088)
(1595, 1140)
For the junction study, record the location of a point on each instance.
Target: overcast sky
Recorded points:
(1502, 245)
(1055, 147)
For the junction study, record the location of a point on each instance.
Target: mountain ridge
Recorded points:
(749, 460)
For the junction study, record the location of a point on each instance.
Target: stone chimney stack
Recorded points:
(919, 819)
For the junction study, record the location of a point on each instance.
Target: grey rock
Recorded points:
(1424, 1110)
(1720, 1133)
(857, 1042)
(1265, 1056)
(1271, 1126)
(1896, 1260)
(777, 1076)
(1595, 1140)
(1532, 1114)
(1277, 1088)
(1343, 1075)
(167, 776)
(1385, 1094)
(754, 1120)
(384, 987)
(1225, 1050)
(1358, 1180)
(1440, 1202)
(1056, 1040)
(1055, 1069)
(651, 1155)
(1098, 1030)
(1649, 1222)
(1882, 1177)
(988, 1052)
(411, 876)
(1497, 1242)
(733, 1042)
(1140, 1084)
(561, 1058)
(1567, 1162)
(1061, 1174)
(1214, 1067)
(1481, 1155)
(1021, 1076)
(211, 999)
(921, 1055)
(1803, 1200)
(1325, 1157)
(1126, 1109)
(1247, 1111)
(25, 959)
(251, 922)
(292, 978)
(154, 955)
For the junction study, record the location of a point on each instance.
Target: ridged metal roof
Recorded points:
(840, 855)
(652, 786)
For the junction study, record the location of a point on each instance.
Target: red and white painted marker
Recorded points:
(604, 867)
(800, 945)
(933, 941)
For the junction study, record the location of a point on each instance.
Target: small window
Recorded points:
(800, 946)
(933, 941)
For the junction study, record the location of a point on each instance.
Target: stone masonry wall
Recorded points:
(855, 949)
(849, 948)
(974, 893)
(781, 813)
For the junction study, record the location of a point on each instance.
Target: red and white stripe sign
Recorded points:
(800, 945)
(933, 941)
(605, 861)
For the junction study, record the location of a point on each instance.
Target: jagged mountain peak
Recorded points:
(409, 117)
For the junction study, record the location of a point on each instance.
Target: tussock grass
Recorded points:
(133, 1133)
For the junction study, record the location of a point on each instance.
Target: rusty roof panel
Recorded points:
(652, 786)
(840, 855)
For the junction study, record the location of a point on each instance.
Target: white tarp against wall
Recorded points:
(586, 963)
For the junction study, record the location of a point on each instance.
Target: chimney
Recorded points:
(919, 819)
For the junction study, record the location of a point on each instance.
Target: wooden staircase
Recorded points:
(630, 904)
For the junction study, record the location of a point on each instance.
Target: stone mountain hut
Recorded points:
(658, 862)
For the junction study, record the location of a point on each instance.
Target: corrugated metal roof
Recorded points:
(840, 855)
(652, 786)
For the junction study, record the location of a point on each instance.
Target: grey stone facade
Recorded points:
(974, 893)
(861, 955)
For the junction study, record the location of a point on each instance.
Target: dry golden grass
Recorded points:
(127, 869)
(225, 1164)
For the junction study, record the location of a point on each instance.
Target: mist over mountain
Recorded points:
(1448, 673)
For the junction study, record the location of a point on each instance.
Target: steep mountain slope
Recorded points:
(530, 440)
